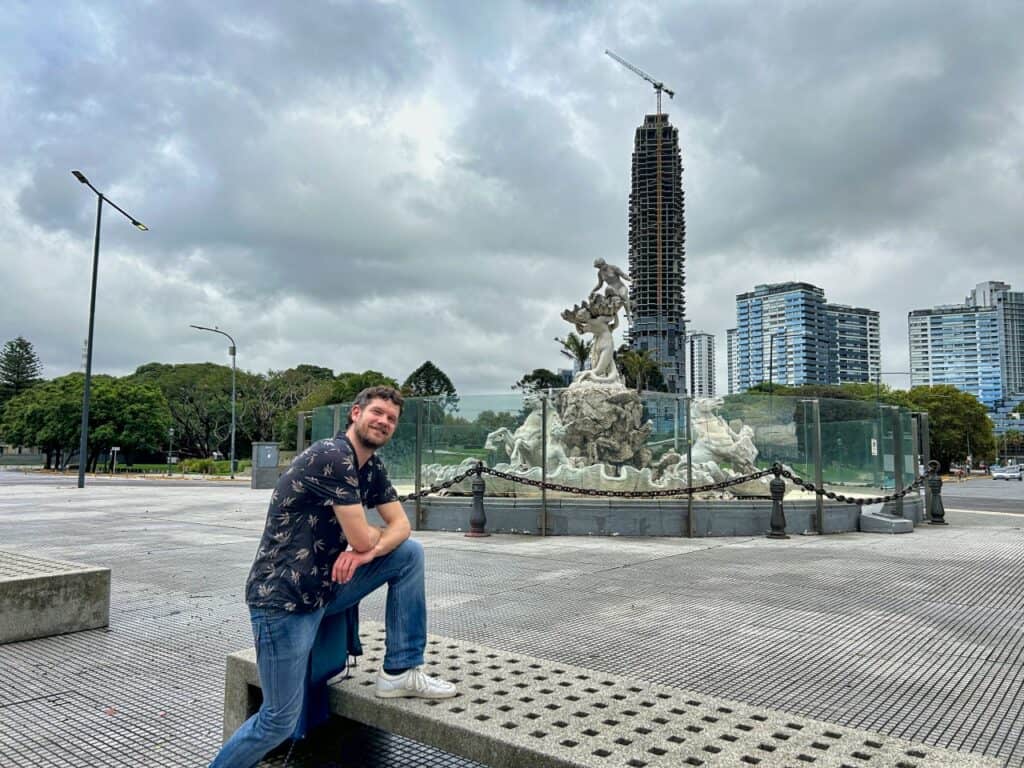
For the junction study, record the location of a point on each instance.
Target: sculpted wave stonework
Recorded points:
(596, 434)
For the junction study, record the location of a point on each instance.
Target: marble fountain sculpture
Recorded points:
(596, 433)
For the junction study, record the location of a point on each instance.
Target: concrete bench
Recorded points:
(41, 597)
(513, 710)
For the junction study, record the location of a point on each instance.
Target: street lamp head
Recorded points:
(140, 226)
(80, 176)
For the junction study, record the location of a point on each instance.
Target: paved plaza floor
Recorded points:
(919, 636)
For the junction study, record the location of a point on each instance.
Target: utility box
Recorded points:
(265, 469)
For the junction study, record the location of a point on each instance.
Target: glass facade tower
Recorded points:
(788, 334)
(1009, 306)
(856, 343)
(977, 346)
(957, 345)
(783, 335)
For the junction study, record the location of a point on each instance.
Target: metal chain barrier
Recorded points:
(441, 486)
(807, 486)
(777, 470)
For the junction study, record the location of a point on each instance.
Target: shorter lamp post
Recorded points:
(231, 351)
(170, 448)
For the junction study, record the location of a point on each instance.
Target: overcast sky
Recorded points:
(369, 185)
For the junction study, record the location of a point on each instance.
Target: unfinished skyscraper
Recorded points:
(657, 235)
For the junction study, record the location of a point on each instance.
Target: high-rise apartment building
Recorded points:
(958, 345)
(782, 335)
(1009, 306)
(788, 333)
(700, 363)
(657, 235)
(976, 346)
(856, 343)
(731, 363)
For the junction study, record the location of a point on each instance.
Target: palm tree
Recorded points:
(577, 349)
(637, 366)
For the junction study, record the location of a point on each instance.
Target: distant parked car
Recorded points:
(1009, 472)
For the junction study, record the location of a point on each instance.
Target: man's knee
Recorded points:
(410, 552)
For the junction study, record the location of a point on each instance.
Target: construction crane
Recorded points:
(658, 85)
(658, 88)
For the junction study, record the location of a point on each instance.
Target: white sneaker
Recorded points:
(413, 682)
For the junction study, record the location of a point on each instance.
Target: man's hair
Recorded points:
(363, 399)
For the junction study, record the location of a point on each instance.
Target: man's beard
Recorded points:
(370, 438)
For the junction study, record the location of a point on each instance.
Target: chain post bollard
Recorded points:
(478, 518)
(777, 486)
(936, 512)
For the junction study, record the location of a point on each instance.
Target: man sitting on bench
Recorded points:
(319, 556)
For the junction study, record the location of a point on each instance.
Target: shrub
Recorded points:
(202, 466)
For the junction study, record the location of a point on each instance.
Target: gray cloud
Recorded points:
(362, 184)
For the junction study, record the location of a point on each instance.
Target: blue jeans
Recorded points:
(284, 640)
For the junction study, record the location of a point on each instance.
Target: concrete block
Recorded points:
(41, 597)
(874, 519)
(242, 695)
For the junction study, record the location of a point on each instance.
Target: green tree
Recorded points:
(122, 412)
(577, 349)
(344, 388)
(430, 381)
(640, 369)
(958, 423)
(492, 420)
(19, 368)
(1011, 444)
(199, 398)
(48, 416)
(539, 379)
(283, 393)
(130, 415)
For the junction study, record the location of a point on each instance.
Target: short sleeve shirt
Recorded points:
(302, 536)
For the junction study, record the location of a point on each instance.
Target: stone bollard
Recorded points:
(478, 518)
(778, 519)
(936, 512)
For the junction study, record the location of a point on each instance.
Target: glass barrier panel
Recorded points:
(909, 449)
(323, 421)
(503, 431)
(399, 455)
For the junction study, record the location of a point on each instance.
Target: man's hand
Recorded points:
(345, 566)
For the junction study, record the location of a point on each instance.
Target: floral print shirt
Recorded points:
(302, 537)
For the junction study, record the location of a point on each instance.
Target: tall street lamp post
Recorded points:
(231, 351)
(83, 443)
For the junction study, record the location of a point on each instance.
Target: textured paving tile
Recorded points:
(919, 637)
(528, 711)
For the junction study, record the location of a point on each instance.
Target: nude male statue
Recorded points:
(614, 279)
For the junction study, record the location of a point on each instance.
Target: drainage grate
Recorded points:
(559, 715)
